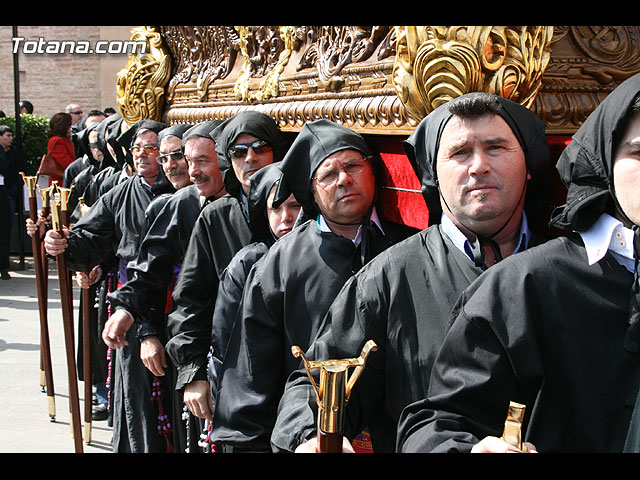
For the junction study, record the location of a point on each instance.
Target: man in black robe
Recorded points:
(112, 227)
(144, 299)
(476, 157)
(118, 139)
(331, 172)
(554, 328)
(268, 224)
(96, 157)
(244, 143)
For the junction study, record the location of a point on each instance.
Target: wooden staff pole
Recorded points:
(45, 193)
(65, 218)
(41, 288)
(86, 352)
(67, 319)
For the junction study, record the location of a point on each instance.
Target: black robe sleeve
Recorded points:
(542, 328)
(228, 300)
(219, 233)
(93, 237)
(161, 250)
(111, 226)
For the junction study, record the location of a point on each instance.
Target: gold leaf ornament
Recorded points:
(140, 86)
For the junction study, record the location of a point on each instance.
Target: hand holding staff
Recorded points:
(41, 288)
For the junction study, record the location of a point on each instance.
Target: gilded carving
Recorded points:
(384, 79)
(435, 64)
(587, 63)
(140, 85)
(266, 51)
(201, 54)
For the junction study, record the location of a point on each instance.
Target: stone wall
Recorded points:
(52, 80)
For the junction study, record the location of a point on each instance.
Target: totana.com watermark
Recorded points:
(60, 47)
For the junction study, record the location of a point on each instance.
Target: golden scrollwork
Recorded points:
(265, 50)
(435, 64)
(140, 86)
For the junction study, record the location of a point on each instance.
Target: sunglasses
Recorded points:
(148, 149)
(241, 150)
(175, 156)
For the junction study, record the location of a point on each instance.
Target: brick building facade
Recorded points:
(52, 80)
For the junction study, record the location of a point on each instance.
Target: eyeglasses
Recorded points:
(79, 112)
(175, 156)
(241, 150)
(148, 149)
(350, 167)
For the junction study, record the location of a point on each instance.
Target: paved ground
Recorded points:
(25, 426)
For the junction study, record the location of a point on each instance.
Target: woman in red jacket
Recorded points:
(59, 145)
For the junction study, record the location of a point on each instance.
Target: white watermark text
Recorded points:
(61, 47)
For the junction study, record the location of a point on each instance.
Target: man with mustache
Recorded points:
(111, 229)
(481, 159)
(246, 142)
(145, 298)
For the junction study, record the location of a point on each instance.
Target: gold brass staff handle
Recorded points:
(512, 433)
(333, 394)
(46, 194)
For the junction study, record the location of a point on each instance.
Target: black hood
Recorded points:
(103, 133)
(111, 135)
(586, 164)
(254, 123)
(174, 130)
(202, 129)
(261, 184)
(316, 141)
(82, 141)
(422, 149)
(127, 137)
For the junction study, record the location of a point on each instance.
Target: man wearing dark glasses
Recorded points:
(171, 156)
(331, 171)
(244, 144)
(146, 296)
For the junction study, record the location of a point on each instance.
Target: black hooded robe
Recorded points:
(286, 296)
(234, 277)
(221, 230)
(544, 328)
(112, 227)
(401, 301)
(144, 295)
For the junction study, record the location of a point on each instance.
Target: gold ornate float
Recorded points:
(374, 79)
(378, 80)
